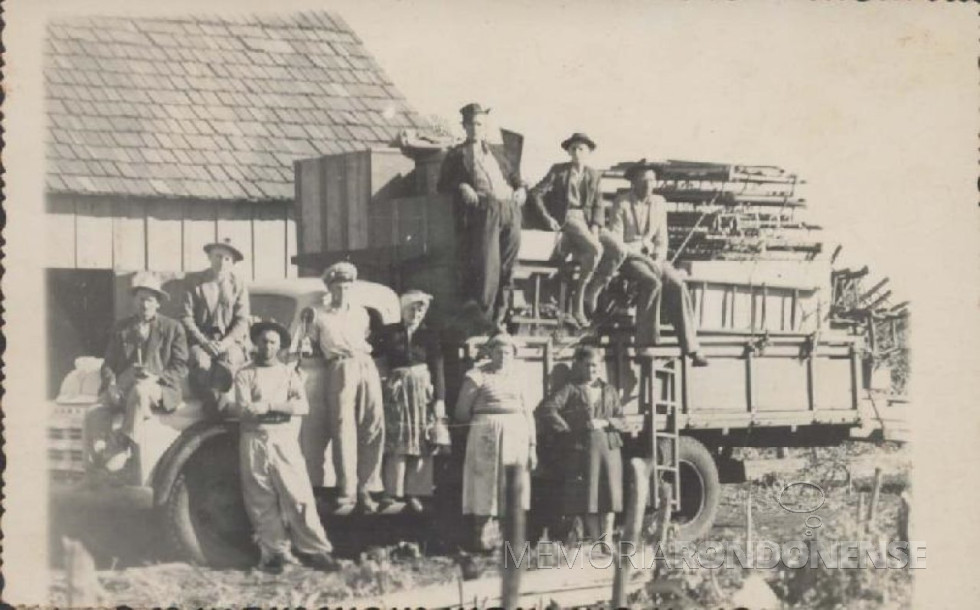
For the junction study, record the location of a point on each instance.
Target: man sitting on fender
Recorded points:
(144, 365)
(639, 222)
(489, 195)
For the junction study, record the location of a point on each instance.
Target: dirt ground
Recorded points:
(136, 569)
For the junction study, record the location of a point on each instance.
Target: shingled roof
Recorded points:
(209, 107)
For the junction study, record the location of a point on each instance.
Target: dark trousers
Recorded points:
(491, 239)
(655, 278)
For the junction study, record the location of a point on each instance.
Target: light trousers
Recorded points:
(278, 495)
(355, 423)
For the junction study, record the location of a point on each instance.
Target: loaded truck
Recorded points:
(785, 370)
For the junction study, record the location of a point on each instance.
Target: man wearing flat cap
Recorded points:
(639, 223)
(215, 316)
(354, 409)
(144, 366)
(569, 200)
(489, 194)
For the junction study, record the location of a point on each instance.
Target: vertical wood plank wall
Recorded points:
(339, 198)
(164, 235)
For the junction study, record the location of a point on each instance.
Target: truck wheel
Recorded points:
(205, 515)
(700, 490)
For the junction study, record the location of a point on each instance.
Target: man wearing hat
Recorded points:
(639, 223)
(144, 364)
(568, 199)
(489, 194)
(355, 414)
(215, 315)
(270, 399)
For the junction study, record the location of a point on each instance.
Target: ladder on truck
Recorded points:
(660, 396)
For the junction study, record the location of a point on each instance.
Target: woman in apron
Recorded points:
(414, 399)
(501, 434)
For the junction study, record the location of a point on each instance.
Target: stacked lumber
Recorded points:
(730, 212)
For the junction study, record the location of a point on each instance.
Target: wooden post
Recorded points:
(875, 494)
(636, 502)
(860, 510)
(511, 584)
(748, 519)
(904, 516)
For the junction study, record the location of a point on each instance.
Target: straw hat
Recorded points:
(225, 243)
(149, 281)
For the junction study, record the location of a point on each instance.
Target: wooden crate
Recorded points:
(335, 195)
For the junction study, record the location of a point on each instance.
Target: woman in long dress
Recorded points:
(581, 417)
(414, 399)
(501, 434)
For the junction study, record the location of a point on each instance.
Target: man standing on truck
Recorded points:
(489, 194)
(216, 316)
(355, 411)
(639, 222)
(144, 365)
(270, 398)
(569, 200)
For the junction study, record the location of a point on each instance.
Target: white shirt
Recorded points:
(339, 330)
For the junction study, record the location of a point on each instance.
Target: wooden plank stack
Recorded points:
(729, 212)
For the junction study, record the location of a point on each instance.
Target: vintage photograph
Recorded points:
(460, 305)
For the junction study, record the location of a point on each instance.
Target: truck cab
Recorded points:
(186, 469)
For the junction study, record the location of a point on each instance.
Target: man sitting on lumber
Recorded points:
(639, 223)
(569, 200)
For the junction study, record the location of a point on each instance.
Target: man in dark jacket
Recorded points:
(489, 195)
(144, 366)
(568, 199)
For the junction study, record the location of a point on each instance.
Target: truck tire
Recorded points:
(700, 490)
(204, 516)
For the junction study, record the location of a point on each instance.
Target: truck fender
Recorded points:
(174, 458)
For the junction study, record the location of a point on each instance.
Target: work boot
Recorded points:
(368, 505)
(387, 502)
(345, 505)
(323, 562)
(274, 564)
(698, 359)
(117, 453)
(414, 505)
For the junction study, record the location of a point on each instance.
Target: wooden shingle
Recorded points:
(208, 107)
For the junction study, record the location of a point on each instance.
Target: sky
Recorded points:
(873, 103)
(855, 103)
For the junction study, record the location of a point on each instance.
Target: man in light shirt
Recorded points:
(355, 412)
(488, 193)
(270, 399)
(639, 222)
(216, 316)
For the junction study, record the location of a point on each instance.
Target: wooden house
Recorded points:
(165, 134)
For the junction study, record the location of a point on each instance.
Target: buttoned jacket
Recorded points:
(163, 354)
(647, 235)
(206, 314)
(454, 172)
(550, 196)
